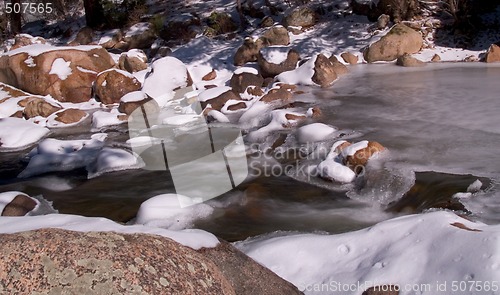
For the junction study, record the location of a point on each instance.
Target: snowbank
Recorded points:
(18, 133)
(402, 251)
(195, 239)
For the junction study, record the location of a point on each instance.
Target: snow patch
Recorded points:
(61, 68)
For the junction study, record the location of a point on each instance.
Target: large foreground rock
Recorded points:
(64, 262)
(65, 73)
(245, 275)
(398, 41)
(57, 261)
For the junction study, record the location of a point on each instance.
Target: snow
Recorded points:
(165, 211)
(101, 119)
(137, 29)
(113, 159)
(37, 49)
(250, 70)
(218, 116)
(278, 122)
(402, 251)
(353, 148)
(133, 96)
(275, 54)
(10, 106)
(61, 68)
(212, 93)
(84, 70)
(18, 133)
(63, 155)
(30, 62)
(315, 132)
(301, 75)
(136, 53)
(331, 169)
(166, 74)
(192, 238)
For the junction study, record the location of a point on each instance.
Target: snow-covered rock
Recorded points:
(165, 211)
(315, 132)
(18, 133)
(455, 250)
(166, 74)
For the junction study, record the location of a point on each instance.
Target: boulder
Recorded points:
(66, 74)
(398, 41)
(132, 61)
(349, 58)
(167, 74)
(276, 36)
(134, 100)
(20, 205)
(182, 27)
(383, 21)
(339, 67)
(140, 35)
(111, 39)
(277, 95)
(248, 52)
(267, 21)
(493, 54)
(25, 40)
(436, 58)
(361, 156)
(220, 100)
(113, 84)
(84, 36)
(407, 60)
(37, 106)
(245, 275)
(239, 82)
(210, 76)
(58, 261)
(274, 60)
(300, 17)
(70, 116)
(324, 71)
(221, 23)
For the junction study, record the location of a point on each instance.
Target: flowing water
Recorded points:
(440, 121)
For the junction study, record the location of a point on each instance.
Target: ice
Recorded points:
(61, 68)
(165, 211)
(18, 133)
(377, 255)
(192, 238)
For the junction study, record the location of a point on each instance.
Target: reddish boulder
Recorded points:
(111, 85)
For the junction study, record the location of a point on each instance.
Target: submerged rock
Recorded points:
(409, 61)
